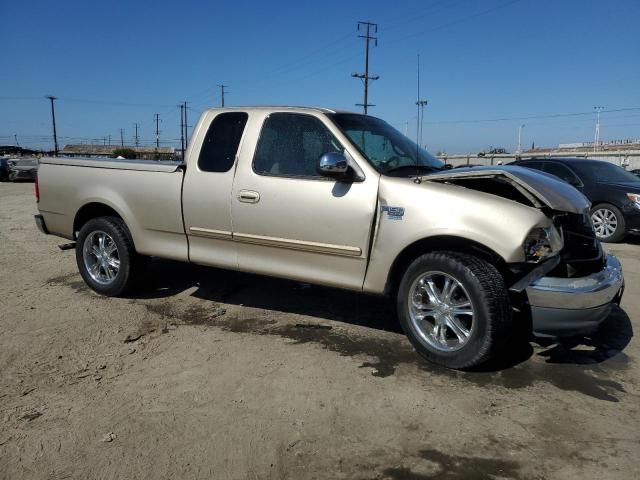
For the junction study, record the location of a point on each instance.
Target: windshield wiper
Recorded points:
(415, 168)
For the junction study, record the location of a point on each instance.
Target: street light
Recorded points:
(520, 139)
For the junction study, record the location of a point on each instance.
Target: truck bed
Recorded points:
(147, 195)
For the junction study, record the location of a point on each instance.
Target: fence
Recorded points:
(628, 159)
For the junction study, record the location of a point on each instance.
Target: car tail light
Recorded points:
(37, 189)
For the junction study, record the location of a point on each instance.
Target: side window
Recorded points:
(291, 144)
(561, 172)
(221, 142)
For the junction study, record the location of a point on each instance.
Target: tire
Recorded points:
(602, 216)
(479, 284)
(106, 279)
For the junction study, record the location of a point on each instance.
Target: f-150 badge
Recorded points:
(393, 213)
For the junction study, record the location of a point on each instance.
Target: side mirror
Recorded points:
(333, 165)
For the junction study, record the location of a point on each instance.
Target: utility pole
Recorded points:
(597, 135)
(520, 139)
(122, 137)
(182, 130)
(222, 87)
(186, 126)
(365, 76)
(53, 118)
(109, 139)
(156, 117)
(137, 138)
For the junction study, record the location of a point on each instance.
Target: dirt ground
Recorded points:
(210, 374)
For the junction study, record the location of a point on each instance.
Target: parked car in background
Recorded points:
(22, 169)
(4, 169)
(613, 192)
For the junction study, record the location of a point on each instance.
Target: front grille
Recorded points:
(582, 254)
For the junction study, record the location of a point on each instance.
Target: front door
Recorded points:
(291, 222)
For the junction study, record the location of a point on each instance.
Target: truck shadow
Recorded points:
(167, 278)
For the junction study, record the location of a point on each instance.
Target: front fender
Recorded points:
(440, 210)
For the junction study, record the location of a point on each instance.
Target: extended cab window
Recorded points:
(291, 144)
(221, 143)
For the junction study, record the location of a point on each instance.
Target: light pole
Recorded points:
(520, 139)
(596, 139)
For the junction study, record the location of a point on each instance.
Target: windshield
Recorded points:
(607, 173)
(390, 152)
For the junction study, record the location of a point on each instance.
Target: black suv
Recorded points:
(613, 192)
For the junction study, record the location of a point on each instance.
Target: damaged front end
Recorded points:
(567, 289)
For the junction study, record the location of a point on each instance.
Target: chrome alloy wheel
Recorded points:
(605, 222)
(441, 311)
(101, 257)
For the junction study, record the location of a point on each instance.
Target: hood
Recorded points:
(539, 188)
(630, 187)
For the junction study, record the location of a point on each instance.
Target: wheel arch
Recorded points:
(93, 210)
(441, 242)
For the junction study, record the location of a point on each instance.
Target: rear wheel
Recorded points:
(608, 223)
(454, 308)
(106, 257)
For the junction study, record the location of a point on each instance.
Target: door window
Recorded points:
(291, 144)
(562, 172)
(221, 142)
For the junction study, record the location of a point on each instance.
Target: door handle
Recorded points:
(248, 196)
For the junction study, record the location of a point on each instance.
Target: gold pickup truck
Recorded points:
(345, 200)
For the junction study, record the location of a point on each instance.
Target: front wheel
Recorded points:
(106, 257)
(608, 223)
(454, 308)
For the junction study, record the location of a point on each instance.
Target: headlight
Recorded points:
(541, 243)
(635, 198)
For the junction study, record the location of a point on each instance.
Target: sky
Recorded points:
(486, 66)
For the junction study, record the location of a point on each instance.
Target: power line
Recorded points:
(528, 117)
(365, 76)
(455, 22)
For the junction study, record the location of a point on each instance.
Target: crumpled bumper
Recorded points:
(573, 306)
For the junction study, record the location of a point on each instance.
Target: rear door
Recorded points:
(208, 182)
(291, 222)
